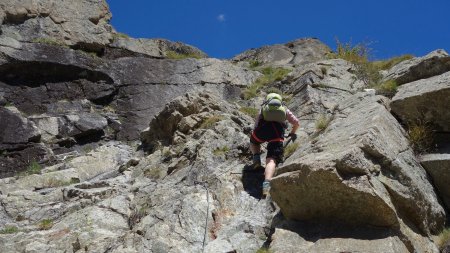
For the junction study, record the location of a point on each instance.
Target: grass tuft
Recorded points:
(9, 230)
(33, 168)
(389, 88)
(49, 41)
(443, 238)
(54, 182)
(367, 71)
(270, 75)
(178, 56)
(358, 55)
(46, 224)
(290, 149)
(153, 173)
(254, 64)
(420, 137)
(209, 122)
(221, 151)
(250, 111)
(121, 35)
(389, 63)
(264, 250)
(322, 122)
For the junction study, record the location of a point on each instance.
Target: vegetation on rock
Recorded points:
(49, 41)
(209, 122)
(253, 64)
(221, 151)
(33, 168)
(420, 136)
(270, 75)
(45, 224)
(250, 111)
(443, 238)
(178, 56)
(366, 70)
(9, 230)
(322, 122)
(389, 63)
(121, 35)
(290, 149)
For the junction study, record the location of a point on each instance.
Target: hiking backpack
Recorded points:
(273, 108)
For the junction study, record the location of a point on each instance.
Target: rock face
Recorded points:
(296, 52)
(432, 64)
(114, 144)
(425, 101)
(359, 171)
(438, 166)
(83, 24)
(156, 48)
(75, 98)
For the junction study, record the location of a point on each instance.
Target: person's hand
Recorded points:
(293, 136)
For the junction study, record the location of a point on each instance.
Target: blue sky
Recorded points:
(224, 28)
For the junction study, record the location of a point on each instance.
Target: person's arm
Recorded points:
(293, 120)
(257, 119)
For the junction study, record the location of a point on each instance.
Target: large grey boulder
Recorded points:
(432, 64)
(296, 52)
(16, 129)
(157, 48)
(19, 142)
(425, 101)
(83, 24)
(360, 170)
(438, 166)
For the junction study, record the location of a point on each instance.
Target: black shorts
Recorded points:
(275, 150)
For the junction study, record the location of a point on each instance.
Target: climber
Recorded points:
(269, 127)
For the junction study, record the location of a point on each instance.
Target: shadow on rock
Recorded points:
(252, 180)
(313, 231)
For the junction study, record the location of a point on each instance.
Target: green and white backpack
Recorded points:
(273, 108)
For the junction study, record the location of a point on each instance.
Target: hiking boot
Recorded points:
(256, 161)
(265, 188)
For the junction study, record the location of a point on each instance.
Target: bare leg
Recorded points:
(255, 148)
(270, 168)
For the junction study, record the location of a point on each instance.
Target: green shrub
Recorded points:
(178, 56)
(9, 230)
(46, 224)
(209, 122)
(443, 238)
(250, 111)
(290, 149)
(270, 75)
(420, 137)
(34, 168)
(322, 122)
(389, 63)
(221, 151)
